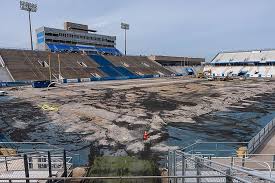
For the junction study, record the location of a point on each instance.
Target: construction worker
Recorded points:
(145, 136)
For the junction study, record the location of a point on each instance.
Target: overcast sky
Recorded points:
(198, 28)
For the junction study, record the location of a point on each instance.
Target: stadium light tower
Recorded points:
(29, 7)
(125, 27)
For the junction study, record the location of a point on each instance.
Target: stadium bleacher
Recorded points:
(26, 65)
(257, 63)
(139, 65)
(34, 65)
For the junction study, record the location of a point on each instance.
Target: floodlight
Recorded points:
(29, 7)
(125, 27)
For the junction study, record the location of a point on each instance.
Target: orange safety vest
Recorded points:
(145, 136)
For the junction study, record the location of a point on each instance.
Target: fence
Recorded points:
(218, 149)
(33, 148)
(214, 149)
(79, 80)
(108, 78)
(35, 164)
(129, 179)
(260, 137)
(181, 164)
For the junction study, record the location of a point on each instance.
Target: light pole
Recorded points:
(125, 27)
(29, 7)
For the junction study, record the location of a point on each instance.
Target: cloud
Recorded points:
(178, 27)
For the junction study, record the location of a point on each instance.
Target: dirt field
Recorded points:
(114, 114)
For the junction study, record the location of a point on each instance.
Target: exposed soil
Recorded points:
(115, 114)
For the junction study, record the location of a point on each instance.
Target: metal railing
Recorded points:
(128, 179)
(35, 165)
(260, 137)
(180, 163)
(216, 149)
(41, 148)
(222, 148)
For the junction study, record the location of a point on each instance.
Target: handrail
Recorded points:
(114, 178)
(229, 167)
(260, 137)
(252, 145)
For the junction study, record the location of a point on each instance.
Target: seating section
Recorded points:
(139, 65)
(248, 71)
(79, 48)
(257, 63)
(109, 68)
(34, 65)
(26, 65)
(124, 71)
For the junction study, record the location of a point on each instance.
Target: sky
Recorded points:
(194, 28)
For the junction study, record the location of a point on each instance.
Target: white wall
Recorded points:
(252, 71)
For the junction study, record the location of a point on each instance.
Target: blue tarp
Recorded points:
(41, 84)
(190, 71)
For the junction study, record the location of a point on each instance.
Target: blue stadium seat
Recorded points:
(111, 71)
(111, 51)
(125, 72)
(101, 60)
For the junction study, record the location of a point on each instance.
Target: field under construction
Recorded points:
(114, 114)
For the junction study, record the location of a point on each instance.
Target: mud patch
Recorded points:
(156, 103)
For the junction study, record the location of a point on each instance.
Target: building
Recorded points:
(75, 38)
(180, 65)
(177, 61)
(254, 63)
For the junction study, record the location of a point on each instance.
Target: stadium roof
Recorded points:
(260, 56)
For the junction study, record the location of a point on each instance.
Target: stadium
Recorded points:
(75, 55)
(78, 109)
(253, 64)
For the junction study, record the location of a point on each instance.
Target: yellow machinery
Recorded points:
(7, 152)
(242, 151)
